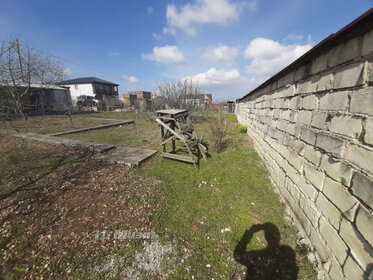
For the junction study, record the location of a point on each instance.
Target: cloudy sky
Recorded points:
(228, 46)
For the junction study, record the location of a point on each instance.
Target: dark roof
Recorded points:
(357, 27)
(86, 80)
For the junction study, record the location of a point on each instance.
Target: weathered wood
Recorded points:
(170, 129)
(104, 126)
(168, 140)
(178, 157)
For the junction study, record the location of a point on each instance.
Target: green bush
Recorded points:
(242, 128)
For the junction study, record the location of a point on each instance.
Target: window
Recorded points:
(76, 87)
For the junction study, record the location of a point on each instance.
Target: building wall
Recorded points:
(313, 128)
(83, 89)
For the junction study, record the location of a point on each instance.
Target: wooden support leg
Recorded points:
(173, 141)
(164, 145)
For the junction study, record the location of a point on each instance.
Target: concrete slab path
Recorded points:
(117, 123)
(130, 156)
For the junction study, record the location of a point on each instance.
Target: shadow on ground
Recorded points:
(273, 262)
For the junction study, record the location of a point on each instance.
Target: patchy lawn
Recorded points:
(208, 211)
(54, 202)
(55, 205)
(146, 134)
(51, 124)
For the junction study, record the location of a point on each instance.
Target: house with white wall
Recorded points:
(104, 91)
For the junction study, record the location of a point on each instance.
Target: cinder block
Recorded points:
(319, 245)
(296, 161)
(308, 135)
(298, 146)
(350, 76)
(352, 270)
(309, 190)
(315, 177)
(309, 102)
(310, 210)
(368, 43)
(368, 137)
(337, 170)
(312, 155)
(302, 219)
(335, 272)
(282, 124)
(319, 120)
(294, 103)
(305, 117)
(340, 197)
(290, 128)
(362, 101)
(300, 73)
(325, 82)
(319, 64)
(292, 173)
(360, 249)
(362, 187)
(330, 144)
(334, 241)
(346, 125)
(334, 101)
(364, 223)
(344, 52)
(329, 211)
(308, 86)
(361, 156)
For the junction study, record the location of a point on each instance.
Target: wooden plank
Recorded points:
(181, 137)
(168, 140)
(178, 157)
(93, 128)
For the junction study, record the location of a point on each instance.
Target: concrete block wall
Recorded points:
(313, 128)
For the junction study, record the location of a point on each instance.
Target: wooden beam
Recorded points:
(178, 157)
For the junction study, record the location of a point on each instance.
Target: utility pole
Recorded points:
(19, 59)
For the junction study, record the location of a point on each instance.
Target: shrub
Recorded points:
(218, 133)
(242, 128)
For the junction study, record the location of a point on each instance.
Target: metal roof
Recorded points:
(86, 80)
(40, 86)
(355, 28)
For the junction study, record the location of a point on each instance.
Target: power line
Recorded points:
(71, 62)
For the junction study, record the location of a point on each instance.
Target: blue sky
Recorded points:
(228, 46)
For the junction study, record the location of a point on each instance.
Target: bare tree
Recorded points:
(20, 68)
(181, 94)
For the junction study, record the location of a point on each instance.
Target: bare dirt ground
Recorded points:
(59, 210)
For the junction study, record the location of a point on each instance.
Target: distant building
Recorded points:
(105, 92)
(141, 94)
(201, 100)
(138, 100)
(44, 98)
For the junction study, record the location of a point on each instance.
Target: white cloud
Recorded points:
(67, 72)
(215, 77)
(130, 79)
(150, 10)
(111, 54)
(268, 56)
(292, 37)
(203, 12)
(221, 54)
(166, 55)
(157, 36)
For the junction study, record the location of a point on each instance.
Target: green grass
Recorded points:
(50, 124)
(232, 191)
(146, 135)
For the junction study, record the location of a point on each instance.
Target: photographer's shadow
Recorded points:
(274, 262)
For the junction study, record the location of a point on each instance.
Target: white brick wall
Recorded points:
(316, 137)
